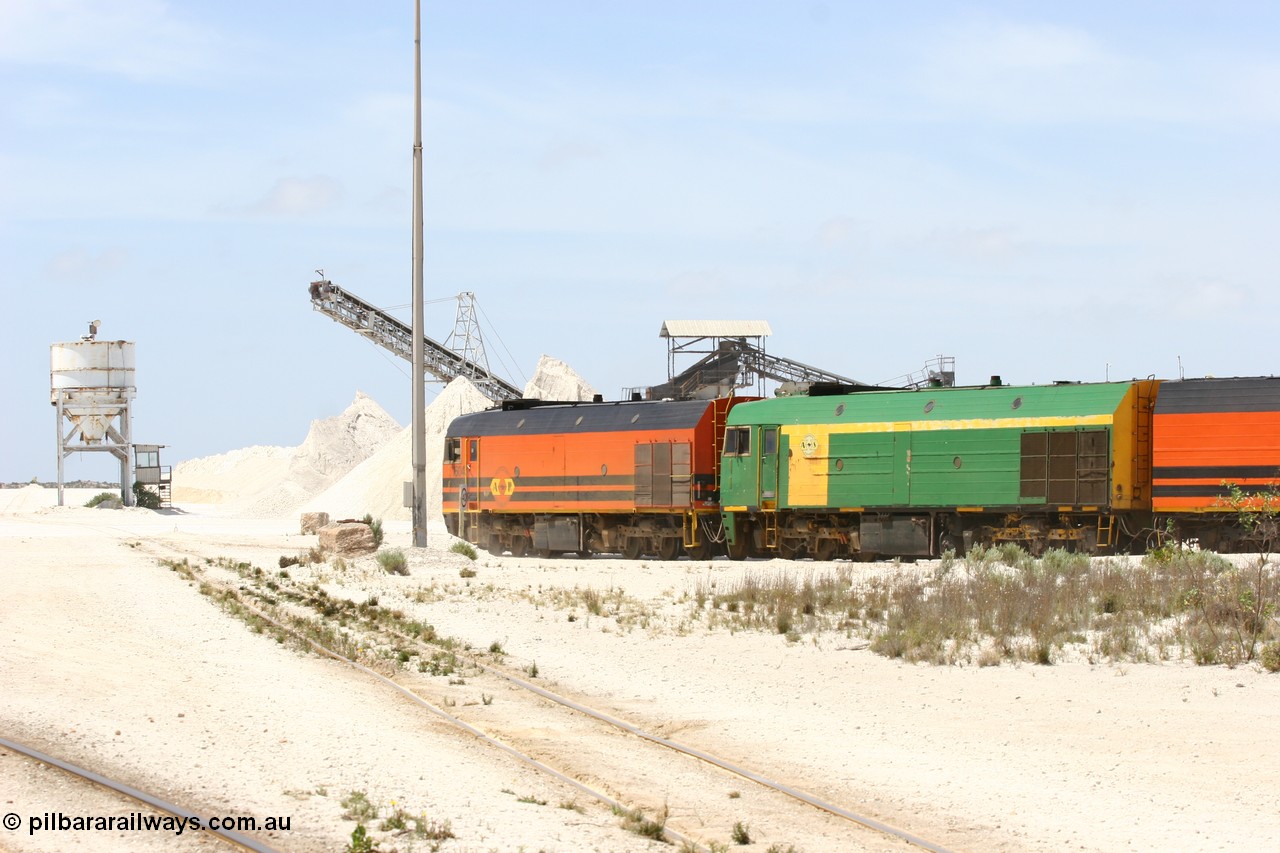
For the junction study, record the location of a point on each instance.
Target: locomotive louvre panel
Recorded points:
(1061, 488)
(663, 474)
(1067, 467)
(681, 474)
(661, 471)
(1094, 461)
(644, 475)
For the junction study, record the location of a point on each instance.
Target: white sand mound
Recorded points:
(34, 497)
(376, 485)
(229, 477)
(355, 463)
(270, 482)
(555, 380)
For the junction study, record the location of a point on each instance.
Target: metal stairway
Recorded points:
(386, 331)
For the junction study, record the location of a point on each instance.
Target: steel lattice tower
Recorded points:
(466, 339)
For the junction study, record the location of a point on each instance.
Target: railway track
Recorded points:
(683, 796)
(188, 817)
(536, 733)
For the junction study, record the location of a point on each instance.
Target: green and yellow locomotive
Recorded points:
(915, 473)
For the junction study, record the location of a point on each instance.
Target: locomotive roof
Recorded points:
(1245, 394)
(582, 417)
(938, 404)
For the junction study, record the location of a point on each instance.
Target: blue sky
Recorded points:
(1043, 191)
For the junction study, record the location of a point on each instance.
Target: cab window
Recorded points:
(452, 450)
(737, 441)
(769, 441)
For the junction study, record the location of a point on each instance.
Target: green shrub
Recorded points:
(360, 841)
(466, 549)
(375, 527)
(144, 497)
(393, 562)
(358, 807)
(99, 498)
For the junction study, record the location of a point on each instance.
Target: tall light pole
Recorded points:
(419, 332)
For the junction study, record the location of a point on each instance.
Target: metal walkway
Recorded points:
(735, 363)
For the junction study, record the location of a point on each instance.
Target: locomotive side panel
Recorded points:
(585, 477)
(971, 463)
(1209, 432)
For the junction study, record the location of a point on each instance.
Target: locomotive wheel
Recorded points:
(789, 550)
(520, 546)
(738, 550)
(824, 550)
(701, 551)
(668, 549)
(632, 548)
(948, 542)
(496, 548)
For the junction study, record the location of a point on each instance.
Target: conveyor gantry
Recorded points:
(383, 329)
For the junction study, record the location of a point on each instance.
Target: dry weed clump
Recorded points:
(1002, 604)
(786, 603)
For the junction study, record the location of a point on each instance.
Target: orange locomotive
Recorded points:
(1209, 435)
(634, 478)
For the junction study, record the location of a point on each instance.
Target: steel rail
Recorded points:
(616, 805)
(692, 752)
(750, 775)
(745, 773)
(228, 835)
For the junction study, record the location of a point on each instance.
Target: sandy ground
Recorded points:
(111, 660)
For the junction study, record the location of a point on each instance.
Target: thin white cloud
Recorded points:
(1026, 71)
(83, 265)
(838, 231)
(294, 196)
(1199, 297)
(1013, 47)
(139, 39)
(568, 153)
(1058, 73)
(978, 244)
